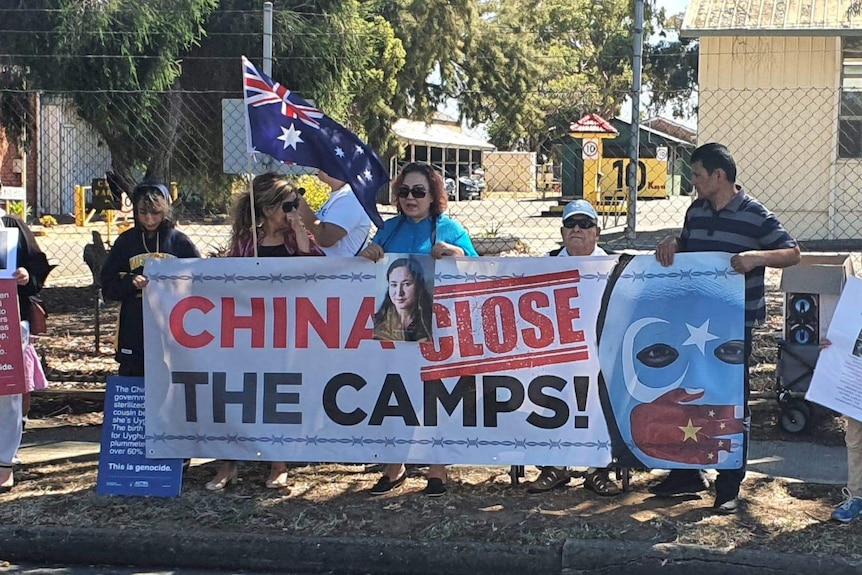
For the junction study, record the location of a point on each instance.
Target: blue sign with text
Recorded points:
(123, 466)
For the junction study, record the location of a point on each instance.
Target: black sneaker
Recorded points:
(681, 482)
(385, 485)
(435, 488)
(550, 478)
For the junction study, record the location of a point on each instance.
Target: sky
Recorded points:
(672, 6)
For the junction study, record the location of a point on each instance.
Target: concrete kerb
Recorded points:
(275, 553)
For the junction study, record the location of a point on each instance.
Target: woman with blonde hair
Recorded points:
(278, 232)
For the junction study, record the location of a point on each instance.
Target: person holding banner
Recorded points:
(153, 236)
(580, 232)
(421, 227)
(724, 218)
(851, 507)
(30, 273)
(341, 225)
(273, 229)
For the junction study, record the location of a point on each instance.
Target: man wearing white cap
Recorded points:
(580, 231)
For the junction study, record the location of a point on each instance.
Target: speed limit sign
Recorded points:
(661, 153)
(590, 150)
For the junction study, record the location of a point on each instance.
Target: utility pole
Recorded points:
(634, 145)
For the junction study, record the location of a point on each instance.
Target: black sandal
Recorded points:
(600, 482)
(385, 485)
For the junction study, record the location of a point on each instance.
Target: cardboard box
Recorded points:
(818, 274)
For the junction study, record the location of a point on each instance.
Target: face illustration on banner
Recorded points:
(675, 344)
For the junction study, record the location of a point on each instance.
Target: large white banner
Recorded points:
(837, 380)
(274, 360)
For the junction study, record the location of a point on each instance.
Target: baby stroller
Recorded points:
(793, 376)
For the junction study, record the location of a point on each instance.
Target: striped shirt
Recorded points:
(743, 224)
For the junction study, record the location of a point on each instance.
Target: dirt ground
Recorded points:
(331, 500)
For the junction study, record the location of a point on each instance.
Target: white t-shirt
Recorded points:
(344, 210)
(596, 252)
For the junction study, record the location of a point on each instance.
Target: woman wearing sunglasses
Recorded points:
(279, 234)
(419, 228)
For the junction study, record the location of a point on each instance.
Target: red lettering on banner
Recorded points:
(177, 317)
(446, 342)
(308, 316)
(567, 314)
(552, 339)
(279, 322)
(499, 340)
(464, 321)
(230, 322)
(544, 335)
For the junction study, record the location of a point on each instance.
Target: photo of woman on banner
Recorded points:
(404, 313)
(671, 347)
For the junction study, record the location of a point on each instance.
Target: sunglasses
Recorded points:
(583, 224)
(290, 205)
(416, 191)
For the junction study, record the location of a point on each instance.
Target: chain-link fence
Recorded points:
(794, 154)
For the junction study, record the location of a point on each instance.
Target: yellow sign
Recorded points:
(652, 178)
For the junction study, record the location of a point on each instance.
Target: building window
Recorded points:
(850, 115)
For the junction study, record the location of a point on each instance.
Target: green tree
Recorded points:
(537, 65)
(149, 75)
(434, 34)
(117, 59)
(670, 67)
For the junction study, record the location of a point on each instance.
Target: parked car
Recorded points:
(471, 182)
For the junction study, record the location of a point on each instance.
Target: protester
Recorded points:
(725, 219)
(341, 225)
(152, 237)
(580, 232)
(279, 235)
(405, 314)
(420, 228)
(30, 273)
(851, 507)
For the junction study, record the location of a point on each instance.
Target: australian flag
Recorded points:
(283, 125)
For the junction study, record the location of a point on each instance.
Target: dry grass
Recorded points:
(331, 500)
(328, 500)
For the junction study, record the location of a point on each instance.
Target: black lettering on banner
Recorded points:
(394, 386)
(189, 379)
(582, 388)
(491, 406)
(247, 397)
(536, 393)
(330, 399)
(464, 390)
(272, 398)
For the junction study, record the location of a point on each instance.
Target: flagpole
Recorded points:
(267, 68)
(251, 206)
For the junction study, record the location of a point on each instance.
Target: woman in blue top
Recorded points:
(419, 228)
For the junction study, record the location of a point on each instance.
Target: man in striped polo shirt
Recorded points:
(725, 219)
